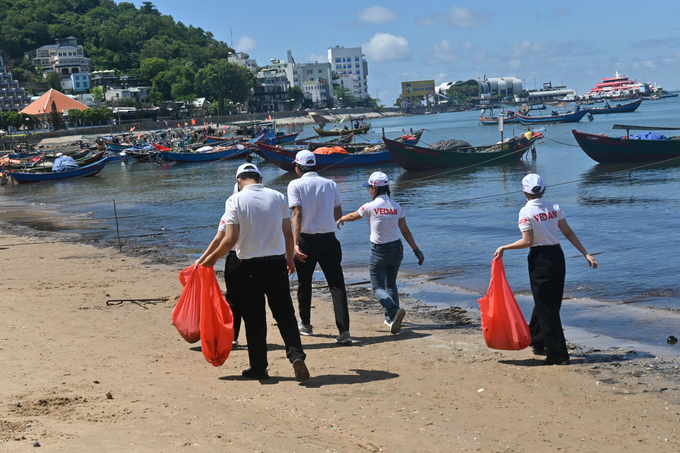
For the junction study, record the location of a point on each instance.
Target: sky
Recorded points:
(573, 43)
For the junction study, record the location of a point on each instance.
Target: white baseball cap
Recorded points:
(377, 179)
(248, 168)
(305, 158)
(533, 184)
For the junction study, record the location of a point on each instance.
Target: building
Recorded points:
(12, 98)
(200, 107)
(271, 86)
(43, 105)
(317, 83)
(76, 82)
(65, 57)
(503, 86)
(349, 64)
(242, 59)
(116, 94)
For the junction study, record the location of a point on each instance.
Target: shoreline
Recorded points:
(435, 386)
(419, 288)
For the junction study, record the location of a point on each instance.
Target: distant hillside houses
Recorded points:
(66, 58)
(12, 97)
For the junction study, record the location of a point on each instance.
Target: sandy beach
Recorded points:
(80, 375)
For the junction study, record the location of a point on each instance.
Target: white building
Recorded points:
(271, 85)
(115, 94)
(12, 97)
(317, 83)
(242, 59)
(350, 65)
(65, 57)
(76, 82)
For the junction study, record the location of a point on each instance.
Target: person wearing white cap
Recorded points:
(230, 268)
(386, 219)
(258, 223)
(539, 222)
(316, 205)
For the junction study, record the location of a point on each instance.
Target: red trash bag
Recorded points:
(186, 316)
(217, 320)
(503, 324)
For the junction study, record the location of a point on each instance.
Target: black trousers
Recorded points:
(258, 278)
(547, 271)
(323, 249)
(230, 279)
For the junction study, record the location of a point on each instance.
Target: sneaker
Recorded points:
(305, 329)
(234, 343)
(395, 325)
(301, 371)
(344, 338)
(250, 373)
(387, 323)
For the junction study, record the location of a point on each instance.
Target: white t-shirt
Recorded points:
(383, 216)
(541, 216)
(223, 222)
(317, 197)
(259, 212)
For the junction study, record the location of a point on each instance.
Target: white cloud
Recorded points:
(515, 64)
(313, 57)
(377, 15)
(387, 47)
(444, 51)
(245, 44)
(462, 17)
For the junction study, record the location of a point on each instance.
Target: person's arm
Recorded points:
(406, 232)
(571, 236)
(526, 241)
(337, 213)
(211, 248)
(297, 227)
(228, 242)
(290, 246)
(346, 218)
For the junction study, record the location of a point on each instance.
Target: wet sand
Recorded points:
(434, 387)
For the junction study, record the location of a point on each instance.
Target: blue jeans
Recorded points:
(383, 267)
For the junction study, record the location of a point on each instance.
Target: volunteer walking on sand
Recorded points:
(230, 268)
(387, 220)
(539, 222)
(257, 223)
(315, 202)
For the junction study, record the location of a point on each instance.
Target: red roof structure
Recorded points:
(43, 104)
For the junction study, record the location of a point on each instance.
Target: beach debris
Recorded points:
(109, 396)
(140, 302)
(671, 340)
(36, 444)
(480, 390)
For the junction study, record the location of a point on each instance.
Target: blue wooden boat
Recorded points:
(284, 158)
(116, 147)
(88, 170)
(236, 151)
(630, 107)
(574, 117)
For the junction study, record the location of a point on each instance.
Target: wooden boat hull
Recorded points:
(416, 158)
(284, 158)
(331, 133)
(607, 150)
(203, 157)
(616, 109)
(494, 121)
(88, 170)
(566, 118)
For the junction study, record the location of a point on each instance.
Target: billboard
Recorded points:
(417, 88)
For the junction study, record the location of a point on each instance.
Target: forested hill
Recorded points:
(114, 36)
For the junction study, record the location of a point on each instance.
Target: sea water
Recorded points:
(626, 216)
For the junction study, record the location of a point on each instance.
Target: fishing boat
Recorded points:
(619, 108)
(493, 120)
(335, 132)
(414, 158)
(605, 149)
(573, 117)
(88, 170)
(204, 156)
(284, 158)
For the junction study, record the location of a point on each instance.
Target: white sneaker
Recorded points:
(395, 325)
(305, 329)
(234, 343)
(344, 338)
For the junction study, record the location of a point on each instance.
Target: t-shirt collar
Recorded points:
(309, 174)
(253, 187)
(534, 202)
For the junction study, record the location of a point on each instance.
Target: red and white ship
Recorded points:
(619, 86)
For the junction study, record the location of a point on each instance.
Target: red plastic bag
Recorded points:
(503, 324)
(186, 316)
(217, 320)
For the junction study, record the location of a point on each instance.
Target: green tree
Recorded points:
(75, 117)
(345, 96)
(55, 117)
(151, 67)
(54, 81)
(223, 80)
(97, 94)
(296, 95)
(463, 93)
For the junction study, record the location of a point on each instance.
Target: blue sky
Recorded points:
(573, 43)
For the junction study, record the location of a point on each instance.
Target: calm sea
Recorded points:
(629, 219)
